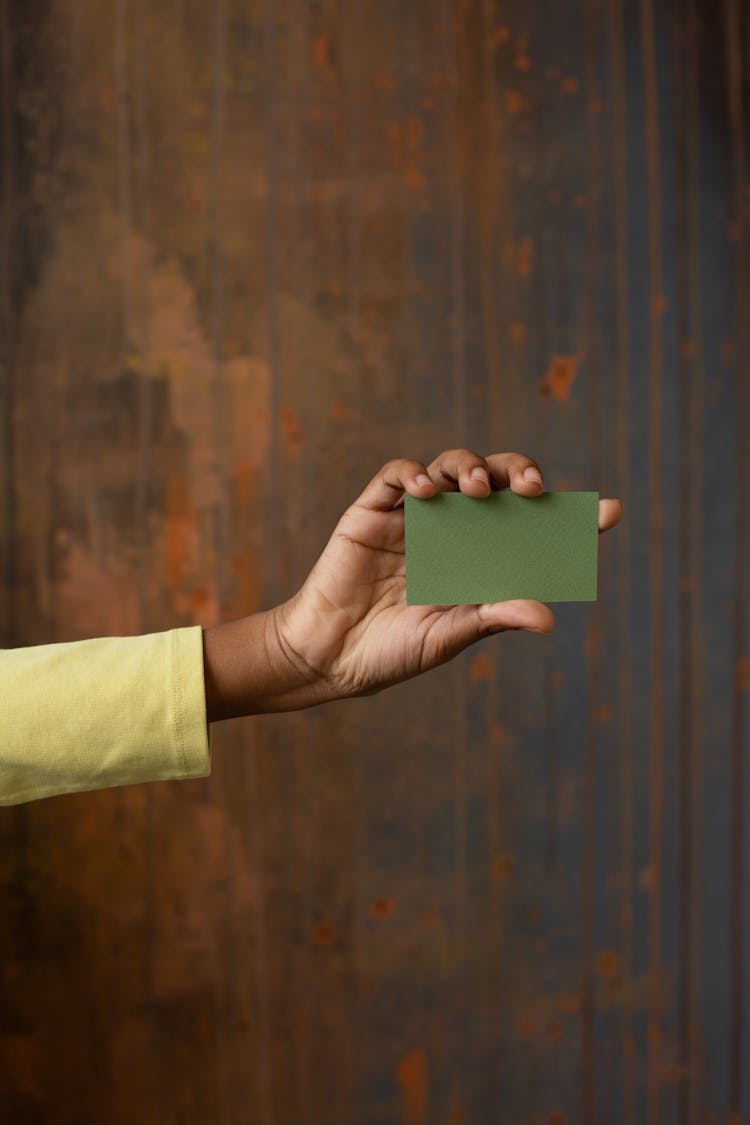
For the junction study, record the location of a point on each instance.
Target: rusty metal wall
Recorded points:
(248, 252)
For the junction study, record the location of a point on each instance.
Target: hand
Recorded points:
(349, 631)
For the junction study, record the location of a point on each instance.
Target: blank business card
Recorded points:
(463, 550)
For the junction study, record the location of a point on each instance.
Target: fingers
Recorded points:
(610, 514)
(460, 469)
(387, 487)
(516, 471)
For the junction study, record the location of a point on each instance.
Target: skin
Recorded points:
(348, 630)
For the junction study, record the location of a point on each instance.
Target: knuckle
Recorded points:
(520, 460)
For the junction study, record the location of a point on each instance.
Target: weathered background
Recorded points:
(248, 252)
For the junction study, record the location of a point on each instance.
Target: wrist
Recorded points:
(250, 670)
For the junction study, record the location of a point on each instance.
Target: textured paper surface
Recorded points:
(463, 550)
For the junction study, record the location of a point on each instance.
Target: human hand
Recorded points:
(349, 631)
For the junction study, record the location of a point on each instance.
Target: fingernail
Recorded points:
(532, 475)
(422, 479)
(479, 474)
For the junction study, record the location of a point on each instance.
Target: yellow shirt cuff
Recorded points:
(102, 712)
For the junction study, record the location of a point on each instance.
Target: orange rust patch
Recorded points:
(244, 475)
(342, 412)
(383, 907)
(497, 736)
(411, 1073)
(517, 332)
(323, 52)
(385, 81)
(323, 934)
(554, 1030)
(414, 132)
(440, 82)
(499, 36)
(176, 532)
(502, 867)
(482, 668)
(291, 431)
(608, 963)
(557, 1117)
(107, 99)
(458, 1115)
(407, 154)
(203, 1028)
(571, 1003)
(534, 915)
(525, 256)
(743, 673)
(604, 714)
(515, 102)
(561, 374)
(570, 85)
(659, 304)
(522, 62)
(525, 1027)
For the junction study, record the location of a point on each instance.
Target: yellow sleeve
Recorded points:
(107, 711)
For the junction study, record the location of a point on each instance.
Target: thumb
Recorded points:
(464, 625)
(496, 617)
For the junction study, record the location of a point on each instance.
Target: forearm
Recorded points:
(248, 672)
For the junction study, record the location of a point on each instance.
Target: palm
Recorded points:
(358, 585)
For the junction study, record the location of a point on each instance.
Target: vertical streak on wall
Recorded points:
(690, 338)
(142, 312)
(124, 171)
(272, 584)
(123, 167)
(592, 359)
(304, 758)
(353, 321)
(695, 688)
(685, 775)
(8, 626)
(488, 191)
(136, 297)
(452, 32)
(742, 399)
(220, 528)
(625, 686)
(216, 268)
(493, 212)
(656, 765)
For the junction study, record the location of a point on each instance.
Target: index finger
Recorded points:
(386, 489)
(517, 472)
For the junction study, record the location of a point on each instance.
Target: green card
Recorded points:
(463, 550)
